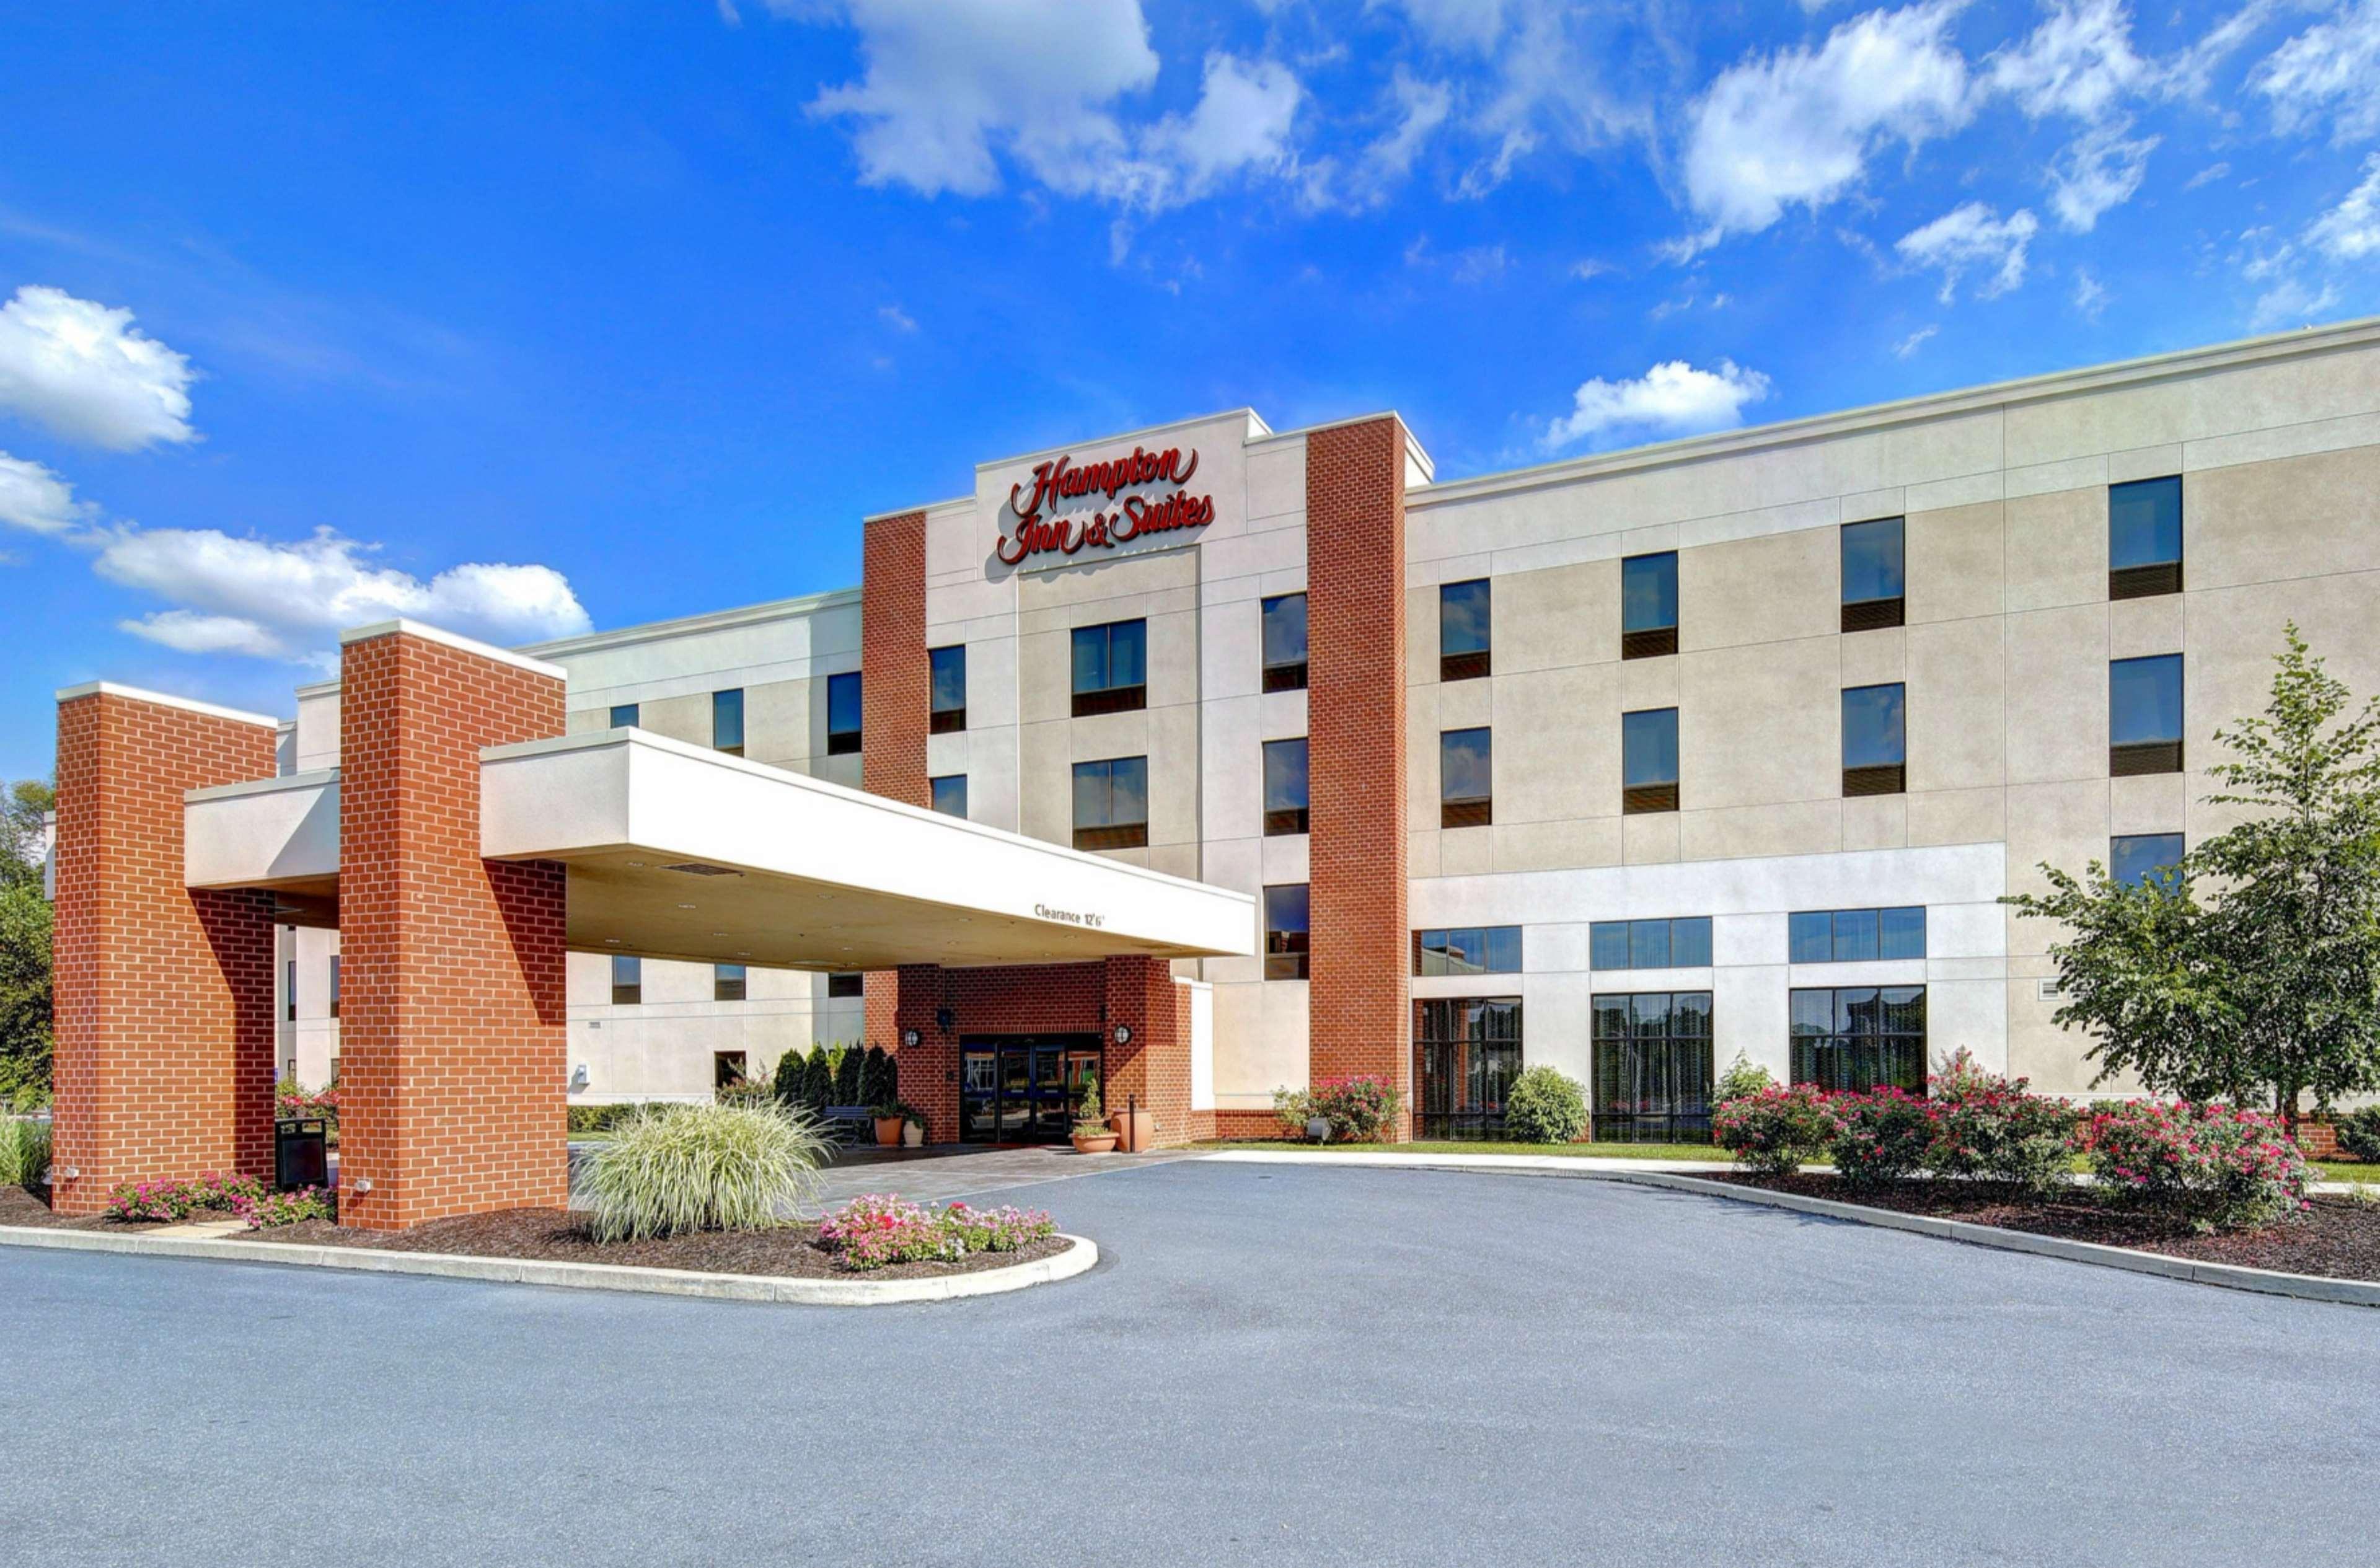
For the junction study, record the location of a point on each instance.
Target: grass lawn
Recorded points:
(1702, 1151)
(2348, 1171)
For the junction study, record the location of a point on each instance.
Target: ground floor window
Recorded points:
(726, 1068)
(1466, 1054)
(1653, 1068)
(1859, 1037)
(1024, 1089)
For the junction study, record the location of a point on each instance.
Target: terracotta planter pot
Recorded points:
(1134, 1130)
(1086, 1144)
(887, 1132)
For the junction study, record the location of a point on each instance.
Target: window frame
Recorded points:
(723, 703)
(1635, 936)
(1467, 664)
(634, 711)
(1910, 1049)
(2147, 579)
(1287, 821)
(847, 742)
(2163, 872)
(1875, 612)
(940, 719)
(1492, 1033)
(1288, 953)
(1281, 674)
(1650, 640)
(1466, 810)
(1687, 1118)
(844, 984)
(1110, 834)
(2158, 755)
(1876, 778)
(1492, 937)
(336, 983)
(1651, 796)
(1112, 697)
(1835, 933)
(721, 982)
(934, 794)
(627, 979)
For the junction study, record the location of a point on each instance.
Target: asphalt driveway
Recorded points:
(1288, 1365)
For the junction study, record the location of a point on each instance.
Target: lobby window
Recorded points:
(1284, 642)
(2136, 859)
(727, 983)
(1111, 803)
(1874, 750)
(1464, 630)
(950, 795)
(1648, 605)
(627, 980)
(1110, 668)
(2145, 538)
(624, 715)
(846, 985)
(1466, 779)
(335, 985)
(2144, 715)
(727, 1068)
(289, 995)
(1648, 760)
(1653, 1068)
(843, 710)
(1288, 922)
(1466, 1054)
(727, 722)
(1468, 950)
(1683, 943)
(1849, 936)
(1860, 1038)
(1871, 575)
(1284, 787)
(949, 701)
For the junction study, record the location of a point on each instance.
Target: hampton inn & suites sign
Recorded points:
(1067, 507)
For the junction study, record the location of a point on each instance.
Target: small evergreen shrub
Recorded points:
(848, 1064)
(602, 1118)
(686, 1167)
(2359, 1133)
(875, 1087)
(24, 1152)
(1882, 1136)
(1545, 1106)
(785, 1083)
(1091, 1118)
(818, 1080)
(2215, 1166)
(1991, 1128)
(1774, 1131)
(1359, 1109)
(1744, 1078)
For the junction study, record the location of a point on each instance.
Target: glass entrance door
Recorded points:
(1022, 1090)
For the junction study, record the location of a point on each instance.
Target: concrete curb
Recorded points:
(1080, 1257)
(2230, 1276)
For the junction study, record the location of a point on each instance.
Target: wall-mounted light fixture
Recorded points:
(1123, 1034)
(362, 1184)
(908, 1039)
(579, 1076)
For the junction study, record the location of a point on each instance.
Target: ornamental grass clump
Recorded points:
(1545, 1106)
(682, 1168)
(1776, 1130)
(2215, 1166)
(24, 1152)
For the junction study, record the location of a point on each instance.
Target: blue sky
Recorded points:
(527, 318)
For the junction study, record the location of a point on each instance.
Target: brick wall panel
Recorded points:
(894, 694)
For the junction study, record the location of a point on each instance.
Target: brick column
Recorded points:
(928, 1069)
(895, 690)
(453, 1050)
(1355, 728)
(1154, 1064)
(163, 995)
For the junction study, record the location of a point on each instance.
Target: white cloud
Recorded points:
(896, 318)
(2079, 62)
(1480, 263)
(1671, 399)
(2351, 231)
(32, 497)
(188, 631)
(2328, 75)
(83, 372)
(2206, 175)
(1972, 236)
(2291, 302)
(2102, 169)
(1914, 342)
(2191, 73)
(2090, 294)
(1800, 125)
(1592, 267)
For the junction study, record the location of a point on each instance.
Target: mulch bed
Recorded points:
(554, 1235)
(20, 1206)
(2336, 1238)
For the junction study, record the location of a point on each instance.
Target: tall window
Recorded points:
(846, 985)
(624, 715)
(1849, 936)
(2144, 715)
(727, 722)
(289, 995)
(1284, 787)
(1463, 630)
(727, 983)
(727, 1068)
(1110, 668)
(1653, 1068)
(627, 980)
(1468, 950)
(1288, 923)
(1466, 779)
(1648, 760)
(1466, 1054)
(1111, 803)
(335, 985)
(949, 796)
(844, 710)
(1871, 575)
(1284, 642)
(2134, 859)
(1683, 943)
(1858, 1038)
(948, 712)
(1648, 605)
(2145, 538)
(1874, 750)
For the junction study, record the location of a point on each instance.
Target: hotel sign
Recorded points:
(1067, 508)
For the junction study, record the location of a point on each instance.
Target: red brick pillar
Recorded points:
(895, 690)
(1153, 1067)
(163, 995)
(453, 1050)
(1355, 730)
(930, 1070)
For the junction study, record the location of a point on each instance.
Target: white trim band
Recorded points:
(451, 639)
(165, 699)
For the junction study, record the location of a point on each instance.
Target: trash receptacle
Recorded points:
(301, 1153)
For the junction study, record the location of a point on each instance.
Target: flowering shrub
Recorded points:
(1884, 1136)
(1743, 1077)
(1358, 1108)
(272, 1209)
(877, 1229)
(1991, 1128)
(2219, 1167)
(1775, 1130)
(1545, 1106)
(172, 1200)
(997, 1229)
(291, 1099)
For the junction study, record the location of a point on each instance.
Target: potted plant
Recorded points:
(1136, 1127)
(1092, 1135)
(913, 1126)
(890, 1120)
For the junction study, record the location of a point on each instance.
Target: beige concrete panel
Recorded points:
(2057, 548)
(1804, 827)
(2145, 462)
(1173, 859)
(1972, 1014)
(1466, 704)
(1230, 648)
(2058, 684)
(1046, 783)
(844, 770)
(1421, 634)
(1466, 852)
(2064, 824)
(1173, 659)
(1942, 447)
(1099, 735)
(2261, 521)
(1095, 587)
(1285, 857)
(1957, 816)
(1967, 489)
(2139, 628)
(583, 720)
(1753, 591)
(2153, 803)
(1650, 838)
(1559, 845)
(1260, 1041)
(1172, 775)
(680, 718)
(1869, 504)
(1957, 712)
(1276, 480)
(2235, 633)
(1875, 657)
(1045, 676)
(777, 723)
(1955, 561)
(1557, 616)
(1649, 683)
(1421, 850)
(1875, 821)
(1761, 724)
(1557, 743)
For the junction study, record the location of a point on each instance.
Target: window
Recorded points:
(727, 983)
(1683, 943)
(846, 985)
(1288, 920)
(1467, 783)
(1284, 643)
(1648, 760)
(1648, 605)
(726, 1068)
(289, 995)
(1110, 668)
(1860, 1038)
(1871, 575)
(2137, 859)
(1653, 1068)
(948, 712)
(1111, 803)
(950, 795)
(1466, 1054)
(1285, 786)
(844, 710)
(2145, 538)
(1463, 629)
(624, 715)
(2144, 715)
(727, 722)
(335, 985)
(1849, 936)
(627, 980)
(1875, 752)
(1468, 950)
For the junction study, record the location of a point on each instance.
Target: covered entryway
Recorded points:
(1024, 1088)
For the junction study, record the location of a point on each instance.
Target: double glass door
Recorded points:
(1023, 1089)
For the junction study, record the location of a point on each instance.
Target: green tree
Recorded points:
(22, 806)
(2252, 969)
(24, 993)
(818, 1079)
